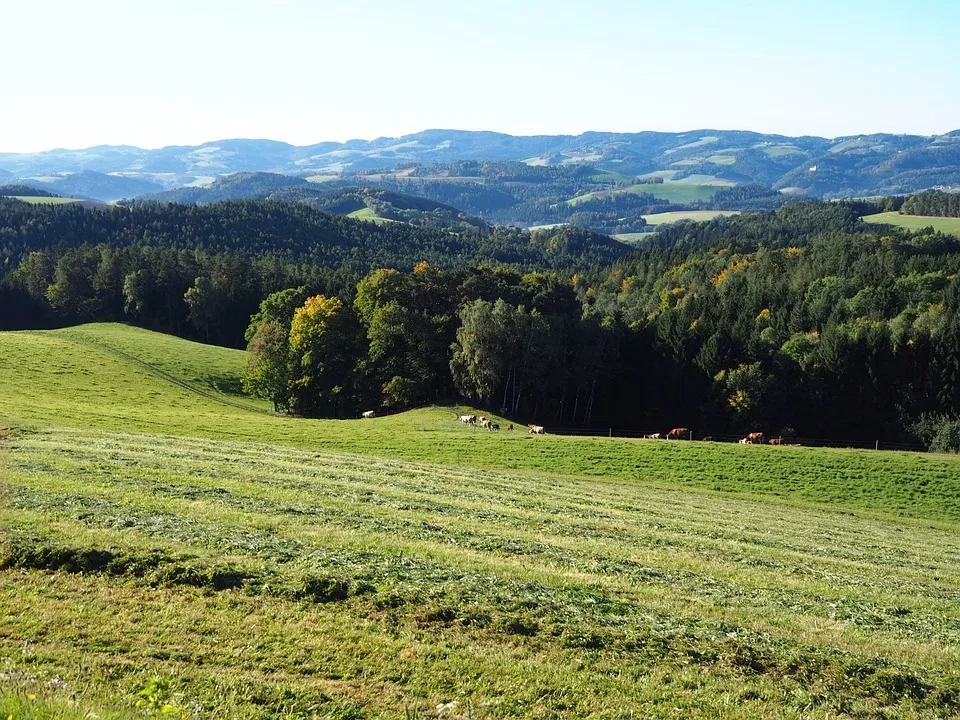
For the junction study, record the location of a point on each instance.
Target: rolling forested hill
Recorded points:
(60, 264)
(461, 196)
(377, 204)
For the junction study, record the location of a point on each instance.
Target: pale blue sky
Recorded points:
(163, 72)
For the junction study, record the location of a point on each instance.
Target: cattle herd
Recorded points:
(682, 433)
(487, 424)
(677, 433)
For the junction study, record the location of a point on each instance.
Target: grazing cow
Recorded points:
(755, 438)
(468, 419)
(776, 441)
(509, 426)
(679, 433)
(535, 429)
(494, 426)
(653, 436)
(708, 438)
(744, 441)
(485, 423)
(368, 414)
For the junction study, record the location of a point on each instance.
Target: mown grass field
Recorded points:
(163, 542)
(948, 226)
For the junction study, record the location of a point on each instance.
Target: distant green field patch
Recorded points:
(689, 162)
(41, 200)
(634, 238)
(675, 192)
(610, 176)
(368, 215)
(722, 159)
(665, 174)
(853, 144)
(776, 151)
(712, 180)
(708, 140)
(321, 178)
(949, 226)
(693, 215)
(549, 226)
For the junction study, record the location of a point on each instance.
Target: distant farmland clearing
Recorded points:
(694, 215)
(950, 226)
(680, 191)
(43, 200)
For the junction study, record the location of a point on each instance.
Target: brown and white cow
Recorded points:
(679, 433)
(509, 426)
(468, 419)
(653, 436)
(776, 441)
(755, 438)
(535, 429)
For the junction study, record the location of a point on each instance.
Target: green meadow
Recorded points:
(676, 192)
(170, 548)
(692, 215)
(948, 226)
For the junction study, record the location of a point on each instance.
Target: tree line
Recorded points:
(803, 320)
(933, 202)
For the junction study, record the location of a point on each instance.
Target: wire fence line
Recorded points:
(726, 437)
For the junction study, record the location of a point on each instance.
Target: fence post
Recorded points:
(691, 434)
(877, 446)
(610, 434)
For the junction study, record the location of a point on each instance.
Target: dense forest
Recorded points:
(800, 321)
(63, 264)
(23, 190)
(940, 204)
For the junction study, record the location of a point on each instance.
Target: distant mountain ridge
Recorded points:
(841, 167)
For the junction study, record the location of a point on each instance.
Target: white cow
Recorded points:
(368, 414)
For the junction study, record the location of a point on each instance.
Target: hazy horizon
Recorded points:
(158, 74)
(496, 132)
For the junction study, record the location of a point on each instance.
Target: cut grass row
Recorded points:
(261, 580)
(160, 538)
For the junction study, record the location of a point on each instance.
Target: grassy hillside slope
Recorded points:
(70, 378)
(948, 226)
(162, 543)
